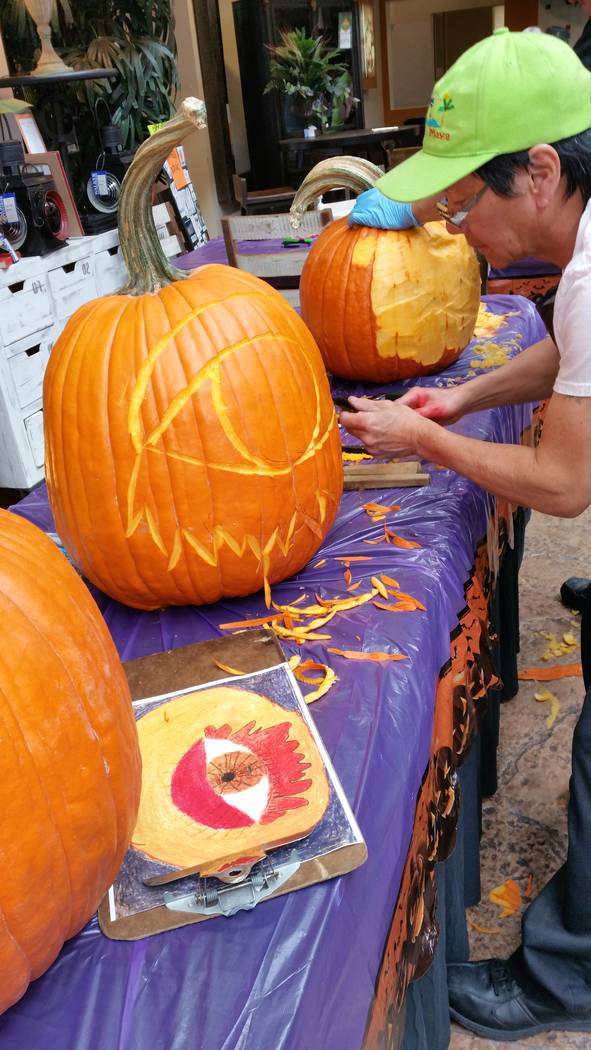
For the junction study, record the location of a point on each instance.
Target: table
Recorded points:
(530, 277)
(358, 141)
(318, 969)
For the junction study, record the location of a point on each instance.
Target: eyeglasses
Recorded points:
(459, 217)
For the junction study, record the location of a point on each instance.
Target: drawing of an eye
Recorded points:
(225, 773)
(234, 771)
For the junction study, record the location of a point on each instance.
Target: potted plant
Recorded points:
(136, 39)
(315, 86)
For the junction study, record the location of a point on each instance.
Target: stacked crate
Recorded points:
(37, 296)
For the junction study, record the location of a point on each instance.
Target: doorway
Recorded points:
(421, 38)
(455, 31)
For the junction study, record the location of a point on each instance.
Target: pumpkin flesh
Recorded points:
(386, 305)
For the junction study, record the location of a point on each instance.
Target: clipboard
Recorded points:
(150, 896)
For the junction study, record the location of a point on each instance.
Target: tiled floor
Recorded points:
(525, 824)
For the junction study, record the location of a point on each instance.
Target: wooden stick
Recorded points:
(384, 475)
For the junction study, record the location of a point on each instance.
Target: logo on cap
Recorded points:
(439, 104)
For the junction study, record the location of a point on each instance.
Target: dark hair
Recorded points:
(575, 165)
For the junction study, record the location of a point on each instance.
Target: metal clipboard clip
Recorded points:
(213, 897)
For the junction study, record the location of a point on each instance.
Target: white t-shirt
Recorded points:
(572, 317)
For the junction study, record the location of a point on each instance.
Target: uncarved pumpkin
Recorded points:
(386, 304)
(192, 450)
(69, 760)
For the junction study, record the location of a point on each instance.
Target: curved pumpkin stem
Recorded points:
(146, 263)
(351, 173)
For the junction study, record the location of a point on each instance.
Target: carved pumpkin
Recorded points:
(70, 764)
(385, 304)
(192, 450)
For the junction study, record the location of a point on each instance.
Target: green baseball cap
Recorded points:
(508, 92)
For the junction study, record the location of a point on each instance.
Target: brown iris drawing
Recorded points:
(234, 771)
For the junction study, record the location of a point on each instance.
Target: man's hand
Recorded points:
(442, 406)
(386, 428)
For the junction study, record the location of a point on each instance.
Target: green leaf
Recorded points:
(14, 105)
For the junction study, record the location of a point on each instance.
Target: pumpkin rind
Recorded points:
(384, 305)
(69, 761)
(192, 449)
(186, 467)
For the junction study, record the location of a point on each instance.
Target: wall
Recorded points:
(197, 148)
(410, 45)
(238, 137)
(373, 100)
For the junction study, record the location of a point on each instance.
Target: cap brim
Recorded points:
(425, 175)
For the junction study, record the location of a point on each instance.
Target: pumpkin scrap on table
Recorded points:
(324, 681)
(71, 766)
(192, 448)
(488, 324)
(362, 654)
(302, 623)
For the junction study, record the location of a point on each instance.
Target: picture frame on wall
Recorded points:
(368, 44)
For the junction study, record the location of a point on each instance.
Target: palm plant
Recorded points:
(135, 38)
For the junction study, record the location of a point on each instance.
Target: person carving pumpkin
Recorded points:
(517, 182)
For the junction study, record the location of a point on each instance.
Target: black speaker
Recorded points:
(103, 185)
(32, 214)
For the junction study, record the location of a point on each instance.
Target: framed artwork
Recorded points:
(368, 44)
(345, 30)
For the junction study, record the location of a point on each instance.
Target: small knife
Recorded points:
(343, 402)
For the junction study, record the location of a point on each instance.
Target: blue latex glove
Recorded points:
(373, 208)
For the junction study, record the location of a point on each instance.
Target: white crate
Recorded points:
(161, 214)
(26, 371)
(71, 285)
(171, 245)
(25, 307)
(34, 432)
(21, 467)
(109, 270)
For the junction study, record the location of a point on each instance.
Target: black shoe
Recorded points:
(574, 592)
(487, 998)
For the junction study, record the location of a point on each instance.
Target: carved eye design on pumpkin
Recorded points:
(210, 396)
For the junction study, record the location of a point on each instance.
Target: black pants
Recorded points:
(556, 934)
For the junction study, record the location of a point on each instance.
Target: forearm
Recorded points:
(528, 377)
(525, 476)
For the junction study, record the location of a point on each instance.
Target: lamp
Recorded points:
(49, 62)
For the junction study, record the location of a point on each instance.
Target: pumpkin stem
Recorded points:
(146, 263)
(351, 173)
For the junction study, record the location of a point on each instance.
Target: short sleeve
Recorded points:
(572, 327)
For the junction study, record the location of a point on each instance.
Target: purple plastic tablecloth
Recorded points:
(215, 252)
(298, 972)
(527, 267)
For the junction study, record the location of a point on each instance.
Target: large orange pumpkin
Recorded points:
(69, 760)
(387, 304)
(192, 450)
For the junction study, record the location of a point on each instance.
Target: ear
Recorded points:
(544, 173)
